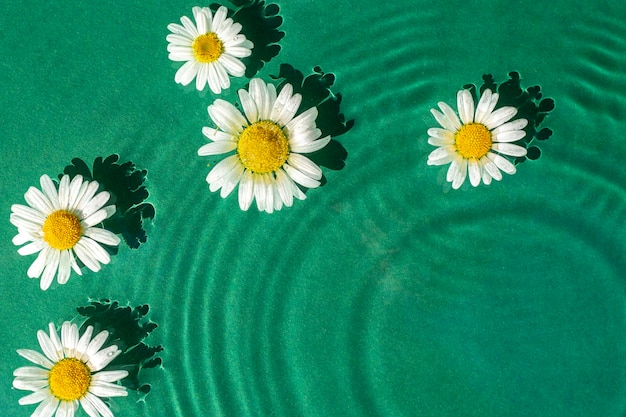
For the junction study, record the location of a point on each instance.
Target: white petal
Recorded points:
(442, 155)
(35, 357)
(239, 51)
(213, 79)
(300, 178)
(509, 149)
(103, 236)
(304, 119)
(316, 145)
(305, 165)
(451, 120)
(28, 384)
(86, 256)
(46, 408)
(96, 343)
(246, 190)
(92, 404)
(36, 268)
(49, 272)
(107, 389)
(109, 376)
(95, 204)
(50, 191)
(69, 338)
(96, 250)
(85, 195)
(37, 200)
(502, 163)
(102, 358)
(232, 65)
(186, 73)
(259, 92)
(47, 347)
(508, 136)
(249, 106)
(218, 18)
(66, 409)
(485, 106)
(517, 124)
(56, 342)
(34, 398)
(284, 186)
(76, 189)
(65, 264)
(227, 117)
(202, 76)
(465, 103)
(28, 213)
(83, 344)
(31, 372)
(231, 180)
(217, 148)
(500, 116)
(491, 168)
(222, 168)
(64, 191)
(216, 135)
(21, 238)
(32, 247)
(474, 172)
(461, 174)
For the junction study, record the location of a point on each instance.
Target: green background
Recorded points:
(385, 293)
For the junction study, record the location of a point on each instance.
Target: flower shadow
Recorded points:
(530, 105)
(125, 184)
(127, 331)
(316, 92)
(260, 23)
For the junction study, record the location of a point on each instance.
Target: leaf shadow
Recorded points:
(316, 92)
(127, 329)
(260, 24)
(125, 183)
(530, 105)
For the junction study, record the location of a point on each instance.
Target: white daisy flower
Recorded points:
(268, 143)
(476, 143)
(211, 49)
(70, 373)
(60, 224)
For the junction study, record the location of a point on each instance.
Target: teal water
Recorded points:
(385, 293)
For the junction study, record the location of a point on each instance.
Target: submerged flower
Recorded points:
(268, 142)
(60, 224)
(212, 49)
(70, 373)
(475, 144)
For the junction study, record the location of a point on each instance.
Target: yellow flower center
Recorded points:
(69, 379)
(473, 140)
(207, 48)
(62, 230)
(263, 147)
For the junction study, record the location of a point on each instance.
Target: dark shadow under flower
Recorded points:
(260, 23)
(316, 92)
(530, 105)
(127, 329)
(125, 183)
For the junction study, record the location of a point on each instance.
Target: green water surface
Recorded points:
(384, 293)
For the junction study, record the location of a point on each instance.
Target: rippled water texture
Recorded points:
(385, 293)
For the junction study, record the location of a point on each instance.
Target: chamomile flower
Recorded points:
(211, 49)
(476, 145)
(59, 224)
(70, 374)
(268, 141)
